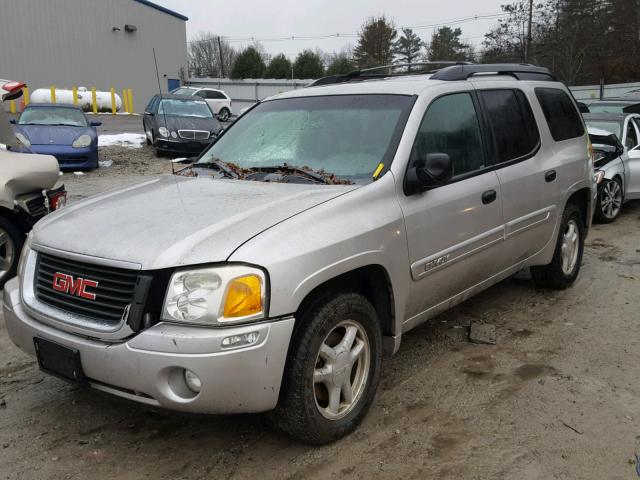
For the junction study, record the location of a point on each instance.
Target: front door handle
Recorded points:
(489, 196)
(550, 176)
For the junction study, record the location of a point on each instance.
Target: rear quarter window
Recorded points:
(561, 114)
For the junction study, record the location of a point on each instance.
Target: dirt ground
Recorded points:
(556, 398)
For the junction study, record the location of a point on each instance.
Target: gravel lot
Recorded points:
(556, 398)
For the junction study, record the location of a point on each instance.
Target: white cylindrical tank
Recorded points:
(65, 96)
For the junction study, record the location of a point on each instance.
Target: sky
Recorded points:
(241, 20)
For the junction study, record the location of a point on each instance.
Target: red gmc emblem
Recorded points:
(67, 284)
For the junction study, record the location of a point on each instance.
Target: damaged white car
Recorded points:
(25, 188)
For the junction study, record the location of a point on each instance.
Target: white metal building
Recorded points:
(93, 43)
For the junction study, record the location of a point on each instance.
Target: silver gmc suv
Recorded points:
(273, 272)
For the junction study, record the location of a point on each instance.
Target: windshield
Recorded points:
(607, 108)
(344, 135)
(183, 91)
(53, 116)
(184, 108)
(611, 127)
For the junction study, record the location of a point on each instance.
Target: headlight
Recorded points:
(163, 131)
(216, 296)
(23, 140)
(598, 176)
(82, 141)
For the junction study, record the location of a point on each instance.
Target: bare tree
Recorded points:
(210, 56)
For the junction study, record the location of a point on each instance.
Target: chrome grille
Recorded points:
(194, 134)
(114, 293)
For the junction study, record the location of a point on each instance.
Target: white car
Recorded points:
(219, 101)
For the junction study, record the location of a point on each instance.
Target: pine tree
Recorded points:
(279, 67)
(248, 64)
(375, 45)
(308, 64)
(407, 47)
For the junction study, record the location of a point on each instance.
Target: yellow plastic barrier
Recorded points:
(130, 98)
(94, 100)
(53, 94)
(12, 106)
(75, 95)
(25, 95)
(114, 108)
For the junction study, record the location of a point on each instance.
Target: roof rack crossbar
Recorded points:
(370, 73)
(520, 71)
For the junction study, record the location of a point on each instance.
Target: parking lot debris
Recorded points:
(79, 174)
(3, 403)
(482, 333)
(572, 428)
(105, 163)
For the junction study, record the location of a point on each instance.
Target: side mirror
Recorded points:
(96, 124)
(12, 121)
(429, 172)
(151, 114)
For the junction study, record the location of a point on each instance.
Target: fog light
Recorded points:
(193, 381)
(241, 340)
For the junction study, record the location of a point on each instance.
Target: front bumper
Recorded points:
(69, 157)
(183, 146)
(149, 367)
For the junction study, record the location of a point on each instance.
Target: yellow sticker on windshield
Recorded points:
(378, 170)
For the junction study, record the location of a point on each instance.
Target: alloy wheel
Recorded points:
(611, 199)
(7, 253)
(341, 370)
(570, 247)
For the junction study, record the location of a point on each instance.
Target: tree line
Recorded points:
(581, 41)
(379, 43)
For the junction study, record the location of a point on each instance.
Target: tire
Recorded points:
(558, 274)
(224, 114)
(304, 410)
(11, 240)
(609, 203)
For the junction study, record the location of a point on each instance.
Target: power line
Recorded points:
(455, 21)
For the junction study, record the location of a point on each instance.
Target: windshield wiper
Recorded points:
(307, 172)
(219, 165)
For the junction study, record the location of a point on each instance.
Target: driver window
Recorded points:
(451, 126)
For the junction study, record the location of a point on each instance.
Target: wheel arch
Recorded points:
(582, 199)
(371, 281)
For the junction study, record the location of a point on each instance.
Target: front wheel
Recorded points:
(332, 370)
(224, 114)
(609, 202)
(565, 265)
(11, 240)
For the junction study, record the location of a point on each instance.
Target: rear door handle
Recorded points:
(489, 196)
(550, 176)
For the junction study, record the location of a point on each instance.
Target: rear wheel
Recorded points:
(224, 114)
(11, 240)
(565, 266)
(332, 371)
(609, 202)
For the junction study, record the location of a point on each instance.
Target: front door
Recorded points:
(453, 231)
(632, 170)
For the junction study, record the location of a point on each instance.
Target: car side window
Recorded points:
(451, 126)
(151, 104)
(202, 93)
(511, 123)
(561, 113)
(216, 95)
(632, 135)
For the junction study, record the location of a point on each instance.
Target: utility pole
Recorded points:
(221, 59)
(528, 50)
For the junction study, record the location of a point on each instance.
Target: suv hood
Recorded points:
(171, 220)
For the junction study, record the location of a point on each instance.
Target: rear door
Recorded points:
(526, 170)
(454, 230)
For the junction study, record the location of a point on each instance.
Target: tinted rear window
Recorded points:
(512, 123)
(561, 114)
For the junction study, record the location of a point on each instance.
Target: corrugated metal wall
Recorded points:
(72, 42)
(245, 93)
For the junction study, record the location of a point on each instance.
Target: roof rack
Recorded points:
(370, 73)
(520, 71)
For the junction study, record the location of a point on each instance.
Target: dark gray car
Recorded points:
(179, 124)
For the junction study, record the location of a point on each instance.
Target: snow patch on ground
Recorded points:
(130, 140)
